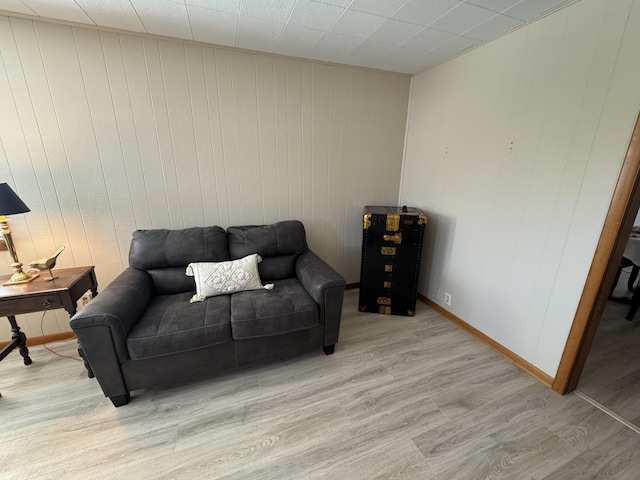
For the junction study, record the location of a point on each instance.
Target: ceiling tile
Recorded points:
(293, 51)
(495, 5)
(425, 13)
(230, 6)
(493, 27)
(164, 18)
(319, 16)
(395, 32)
(462, 18)
(455, 46)
(274, 10)
(428, 39)
(300, 37)
(530, 9)
(377, 48)
(58, 9)
(256, 34)
(112, 13)
(369, 52)
(338, 45)
(357, 24)
(409, 53)
(384, 8)
(15, 6)
(406, 60)
(357, 32)
(337, 3)
(212, 26)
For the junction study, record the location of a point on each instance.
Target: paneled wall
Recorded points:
(102, 133)
(514, 150)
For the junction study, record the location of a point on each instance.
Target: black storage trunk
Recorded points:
(391, 249)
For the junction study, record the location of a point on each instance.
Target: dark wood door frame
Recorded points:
(617, 226)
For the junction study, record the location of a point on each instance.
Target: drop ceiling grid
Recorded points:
(420, 33)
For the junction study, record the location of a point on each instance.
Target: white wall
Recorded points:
(513, 151)
(102, 133)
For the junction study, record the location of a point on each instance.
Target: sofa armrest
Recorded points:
(114, 312)
(326, 287)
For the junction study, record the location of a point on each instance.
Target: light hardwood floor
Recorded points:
(400, 398)
(611, 375)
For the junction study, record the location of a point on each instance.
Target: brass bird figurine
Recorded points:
(47, 263)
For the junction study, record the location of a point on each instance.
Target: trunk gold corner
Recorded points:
(366, 220)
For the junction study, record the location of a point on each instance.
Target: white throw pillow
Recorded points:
(221, 278)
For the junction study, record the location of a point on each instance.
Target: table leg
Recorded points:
(90, 373)
(72, 312)
(21, 338)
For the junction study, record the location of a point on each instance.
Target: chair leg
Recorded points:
(635, 304)
(329, 349)
(615, 282)
(632, 277)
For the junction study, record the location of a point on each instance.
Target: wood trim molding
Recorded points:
(352, 286)
(617, 226)
(53, 337)
(491, 343)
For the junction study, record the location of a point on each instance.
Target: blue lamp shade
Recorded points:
(10, 203)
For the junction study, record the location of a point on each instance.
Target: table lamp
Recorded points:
(10, 204)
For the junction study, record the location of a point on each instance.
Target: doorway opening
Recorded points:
(610, 379)
(617, 227)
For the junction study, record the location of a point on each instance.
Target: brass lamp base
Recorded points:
(18, 276)
(21, 277)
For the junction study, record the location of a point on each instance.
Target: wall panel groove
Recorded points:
(514, 150)
(102, 133)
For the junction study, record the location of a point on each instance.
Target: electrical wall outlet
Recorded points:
(447, 298)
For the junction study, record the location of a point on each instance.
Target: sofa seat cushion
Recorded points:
(171, 324)
(260, 313)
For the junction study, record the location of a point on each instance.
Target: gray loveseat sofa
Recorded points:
(142, 331)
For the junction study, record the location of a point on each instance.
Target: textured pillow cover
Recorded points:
(221, 278)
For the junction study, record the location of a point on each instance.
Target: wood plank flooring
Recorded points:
(406, 398)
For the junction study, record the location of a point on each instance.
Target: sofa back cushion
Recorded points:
(278, 244)
(165, 254)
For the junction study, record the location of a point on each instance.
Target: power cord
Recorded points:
(50, 350)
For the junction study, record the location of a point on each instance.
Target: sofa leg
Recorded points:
(328, 349)
(119, 400)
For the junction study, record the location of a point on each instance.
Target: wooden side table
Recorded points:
(38, 296)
